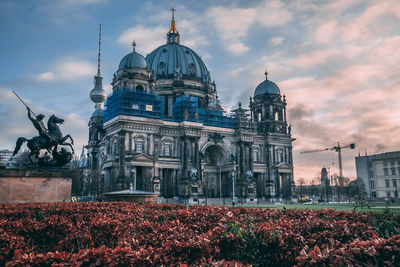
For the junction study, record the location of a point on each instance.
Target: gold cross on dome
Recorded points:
(173, 12)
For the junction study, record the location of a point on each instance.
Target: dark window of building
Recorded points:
(385, 163)
(373, 194)
(386, 170)
(371, 174)
(139, 146)
(250, 190)
(387, 183)
(393, 171)
(372, 184)
(195, 190)
(388, 193)
(369, 164)
(394, 183)
(392, 163)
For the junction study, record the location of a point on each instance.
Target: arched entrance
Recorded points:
(217, 170)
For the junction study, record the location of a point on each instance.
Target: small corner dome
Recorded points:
(133, 60)
(98, 113)
(267, 87)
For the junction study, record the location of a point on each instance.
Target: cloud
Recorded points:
(68, 70)
(273, 13)
(233, 23)
(46, 77)
(148, 38)
(326, 32)
(299, 112)
(313, 59)
(276, 40)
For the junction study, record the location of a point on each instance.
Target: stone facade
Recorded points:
(166, 132)
(380, 174)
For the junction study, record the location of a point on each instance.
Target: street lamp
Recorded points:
(233, 186)
(233, 158)
(220, 184)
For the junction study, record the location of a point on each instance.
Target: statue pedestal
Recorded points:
(35, 185)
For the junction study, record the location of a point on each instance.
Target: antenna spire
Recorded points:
(99, 54)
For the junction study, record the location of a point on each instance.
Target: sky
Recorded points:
(337, 62)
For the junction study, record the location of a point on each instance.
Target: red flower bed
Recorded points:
(84, 234)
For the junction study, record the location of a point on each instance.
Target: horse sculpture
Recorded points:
(49, 142)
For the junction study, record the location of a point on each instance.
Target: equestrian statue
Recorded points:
(48, 141)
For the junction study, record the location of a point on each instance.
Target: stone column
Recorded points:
(151, 145)
(284, 112)
(130, 142)
(185, 156)
(251, 157)
(271, 112)
(121, 161)
(241, 160)
(196, 155)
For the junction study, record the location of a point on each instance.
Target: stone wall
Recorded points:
(35, 185)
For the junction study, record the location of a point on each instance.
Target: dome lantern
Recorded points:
(173, 35)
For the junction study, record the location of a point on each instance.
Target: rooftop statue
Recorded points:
(48, 139)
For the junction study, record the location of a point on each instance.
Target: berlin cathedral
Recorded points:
(163, 130)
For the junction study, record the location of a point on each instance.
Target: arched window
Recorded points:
(114, 146)
(139, 88)
(139, 145)
(167, 147)
(256, 154)
(279, 155)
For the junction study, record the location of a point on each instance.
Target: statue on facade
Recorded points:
(193, 173)
(48, 139)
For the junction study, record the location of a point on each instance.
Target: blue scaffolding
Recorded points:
(149, 105)
(133, 103)
(186, 108)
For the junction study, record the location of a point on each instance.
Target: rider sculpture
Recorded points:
(49, 139)
(39, 125)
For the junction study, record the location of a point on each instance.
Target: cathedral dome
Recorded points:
(174, 60)
(267, 87)
(133, 60)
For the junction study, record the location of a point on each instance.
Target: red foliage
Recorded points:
(84, 234)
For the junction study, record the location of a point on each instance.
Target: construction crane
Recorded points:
(336, 148)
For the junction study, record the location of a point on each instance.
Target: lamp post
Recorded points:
(134, 178)
(233, 158)
(233, 186)
(220, 184)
